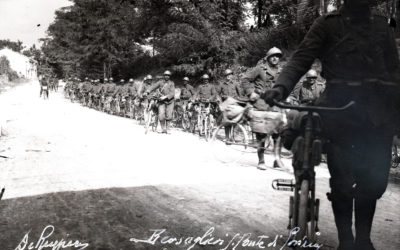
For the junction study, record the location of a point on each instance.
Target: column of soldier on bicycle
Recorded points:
(360, 62)
(130, 98)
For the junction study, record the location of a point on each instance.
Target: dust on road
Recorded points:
(100, 180)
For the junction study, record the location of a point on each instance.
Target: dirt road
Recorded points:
(77, 178)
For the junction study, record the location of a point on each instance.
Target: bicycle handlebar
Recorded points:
(313, 108)
(204, 102)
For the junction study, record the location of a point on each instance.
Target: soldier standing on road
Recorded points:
(44, 86)
(166, 88)
(359, 62)
(263, 76)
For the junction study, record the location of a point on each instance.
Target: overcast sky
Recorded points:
(19, 19)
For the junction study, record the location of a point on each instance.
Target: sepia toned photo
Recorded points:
(199, 124)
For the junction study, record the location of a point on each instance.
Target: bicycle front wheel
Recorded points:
(230, 145)
(147, 120)
(303, 209)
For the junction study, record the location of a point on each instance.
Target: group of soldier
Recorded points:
(359, 61)
(134, 96)
(47, 83)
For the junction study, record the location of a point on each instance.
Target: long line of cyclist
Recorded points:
(192, 108)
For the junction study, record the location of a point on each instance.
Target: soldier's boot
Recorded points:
(364, 216)
(163, 127)
(260, 153)
(343, 211)
(228, 138)
(167, 123)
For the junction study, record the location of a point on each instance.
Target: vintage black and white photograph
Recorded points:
(199, 124)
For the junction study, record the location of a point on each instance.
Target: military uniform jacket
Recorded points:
(133, 90)
(95, 89)
(350, 49)
(187, 92)
(263, 77)
(206, 91)
(110, 88)
(228, 88)
(305, 92)
(164, 88)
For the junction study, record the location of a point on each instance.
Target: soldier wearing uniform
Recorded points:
(166, 88)
(359, 62)
(205, 91)
(263, 76)
(44, 86)
(309, 90)
(94, 93)
(187, 92)
(228, 88)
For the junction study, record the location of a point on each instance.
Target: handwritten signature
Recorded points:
(44, 242)
(236, 241)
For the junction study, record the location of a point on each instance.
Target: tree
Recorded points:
(15, 46)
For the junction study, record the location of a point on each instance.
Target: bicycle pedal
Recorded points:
(283, 185)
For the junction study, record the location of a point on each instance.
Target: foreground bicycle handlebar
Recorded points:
(313, 108)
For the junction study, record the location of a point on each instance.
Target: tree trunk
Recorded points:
(104, 70)
(260, 4)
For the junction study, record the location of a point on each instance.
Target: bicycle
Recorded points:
(307, 153)
(233, 144)
(178, 115)
(205, 119)
(151, 114)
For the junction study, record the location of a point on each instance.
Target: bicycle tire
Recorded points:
(178, 116)
(395, 157)
(209, 126)
(154, 123)
(303, 209)
(230, 152)
(185, 123)
(147, 120)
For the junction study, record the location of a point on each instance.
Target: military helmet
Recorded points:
(274, 51)
(186, 78)
(312, 74)
(228, 72)
(167, 72)
(122, 81)
(130, 80)
(106, 79)
(205, 76)
(149, 77)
